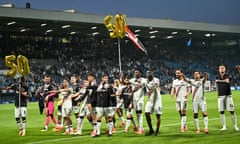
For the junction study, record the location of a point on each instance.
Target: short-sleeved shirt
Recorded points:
(92, 98)
(126, 96)
(138, 82)
(197, 90)
(67, 100)
(180, 87)
(223, 88)
(46, 89)
(23, 99)
(154, 85)
(76, 89)
(104, 96)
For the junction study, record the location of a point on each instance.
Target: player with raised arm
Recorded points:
(126, 95)
(238, 68)
(118, 86)
(181, 90)
(225, 100)
(138, 85)
(199, 99)
(66, 93)
(154, 103)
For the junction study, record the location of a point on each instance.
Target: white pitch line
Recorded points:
(54, 140)
(166, 125)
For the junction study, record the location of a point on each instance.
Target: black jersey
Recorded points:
(46, 89)
(76, 89)
(223, 88)
(104, 95)
(23, 99)
(92, 98)
(113, 98)
(126, 96)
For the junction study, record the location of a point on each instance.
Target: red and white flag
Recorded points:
(135, 40)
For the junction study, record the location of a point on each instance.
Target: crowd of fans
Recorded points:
(84, 54)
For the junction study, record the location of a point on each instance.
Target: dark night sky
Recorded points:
(210, 11)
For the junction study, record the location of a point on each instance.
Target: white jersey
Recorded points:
(155, 96)
(119, 97)
(119, 89)
(197, 90)
(67, 100)
(180, 87)
(139, 94)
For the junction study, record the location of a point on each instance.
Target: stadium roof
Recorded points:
(27, 21)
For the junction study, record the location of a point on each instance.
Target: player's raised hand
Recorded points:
(205, 74)
(237, 67)
(46, 99)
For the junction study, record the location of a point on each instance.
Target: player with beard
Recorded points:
(49, 100)
(198, 99)
(181, 89)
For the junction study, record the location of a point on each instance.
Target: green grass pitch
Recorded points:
(169, 131)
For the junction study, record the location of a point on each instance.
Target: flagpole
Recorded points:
(119, 56)
(19, 94)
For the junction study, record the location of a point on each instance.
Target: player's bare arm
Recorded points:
(205, 76)
(223, 81)
(75, 95)
(24, 93)
(185, 79)
(172, 92)
(238, 68)
(188, 92)
(60, 90)
(150, 92)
